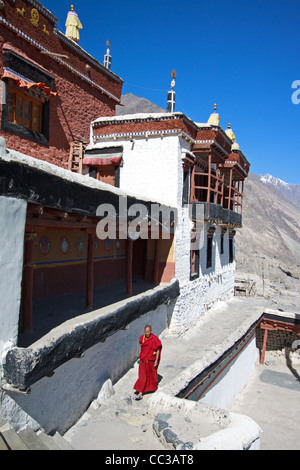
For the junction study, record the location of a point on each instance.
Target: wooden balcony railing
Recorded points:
(211, 188)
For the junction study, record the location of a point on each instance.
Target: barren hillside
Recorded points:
(270, 239)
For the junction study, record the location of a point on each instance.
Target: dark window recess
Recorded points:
(222, 244)
(109, 174)
(231, 250)
(93, 172)
(186, 192)
(195, 263)
(194, 257)
(209, 252)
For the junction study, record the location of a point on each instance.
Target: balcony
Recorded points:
(211, 187)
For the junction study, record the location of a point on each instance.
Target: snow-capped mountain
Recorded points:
(289, 191)
(269, 179)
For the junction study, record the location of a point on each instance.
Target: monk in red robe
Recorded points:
(149, 361)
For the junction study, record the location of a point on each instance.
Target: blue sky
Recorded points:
(242, 55)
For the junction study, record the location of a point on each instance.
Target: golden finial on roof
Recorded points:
(229, 132)
(214, 118)
(73, 25)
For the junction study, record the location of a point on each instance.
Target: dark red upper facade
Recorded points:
(51, 88)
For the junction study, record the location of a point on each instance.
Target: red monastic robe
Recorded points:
(147, 381)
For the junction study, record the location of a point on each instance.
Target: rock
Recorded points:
(105, 393)
(171, 438)
(159, 425)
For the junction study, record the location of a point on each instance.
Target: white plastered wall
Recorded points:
(12, 227)
(150, 168)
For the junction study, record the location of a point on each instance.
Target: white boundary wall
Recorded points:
(12, 227)
(236, 377)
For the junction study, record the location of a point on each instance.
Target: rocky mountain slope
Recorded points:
(131, 104)
(269, 242)
(290, 191)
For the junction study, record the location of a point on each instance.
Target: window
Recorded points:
(222, 244)
(28, 89)
(209, 252)
(186, 186)
(24, 110)
(104, 164)
(210, 233)
(194, 256)
(230, 250)
(224, 230)
(194, 273)
(107, 174)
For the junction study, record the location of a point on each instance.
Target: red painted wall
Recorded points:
(78, 102)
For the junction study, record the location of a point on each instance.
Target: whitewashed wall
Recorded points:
(214, 284)
(224, 391)
(150, 168)
(12, 227)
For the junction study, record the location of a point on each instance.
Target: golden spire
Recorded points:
(214, 118)
(73, 25)
(229, 132)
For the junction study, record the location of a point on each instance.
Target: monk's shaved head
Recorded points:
(148, 330)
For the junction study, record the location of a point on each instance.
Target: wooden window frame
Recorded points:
(12, 115)
(98, 174)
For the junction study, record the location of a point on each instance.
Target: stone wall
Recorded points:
(277, 339)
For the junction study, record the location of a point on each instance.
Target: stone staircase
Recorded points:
(27, 439)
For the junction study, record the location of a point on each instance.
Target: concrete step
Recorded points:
(32, 440)
(26, 439)
(12, 439)
(3, 445)
(61, 442)
(48, 441)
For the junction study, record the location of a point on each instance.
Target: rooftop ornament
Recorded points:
(214, 118)
(229, 132)
(172, 94)
(107, 57)
(73, 25)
